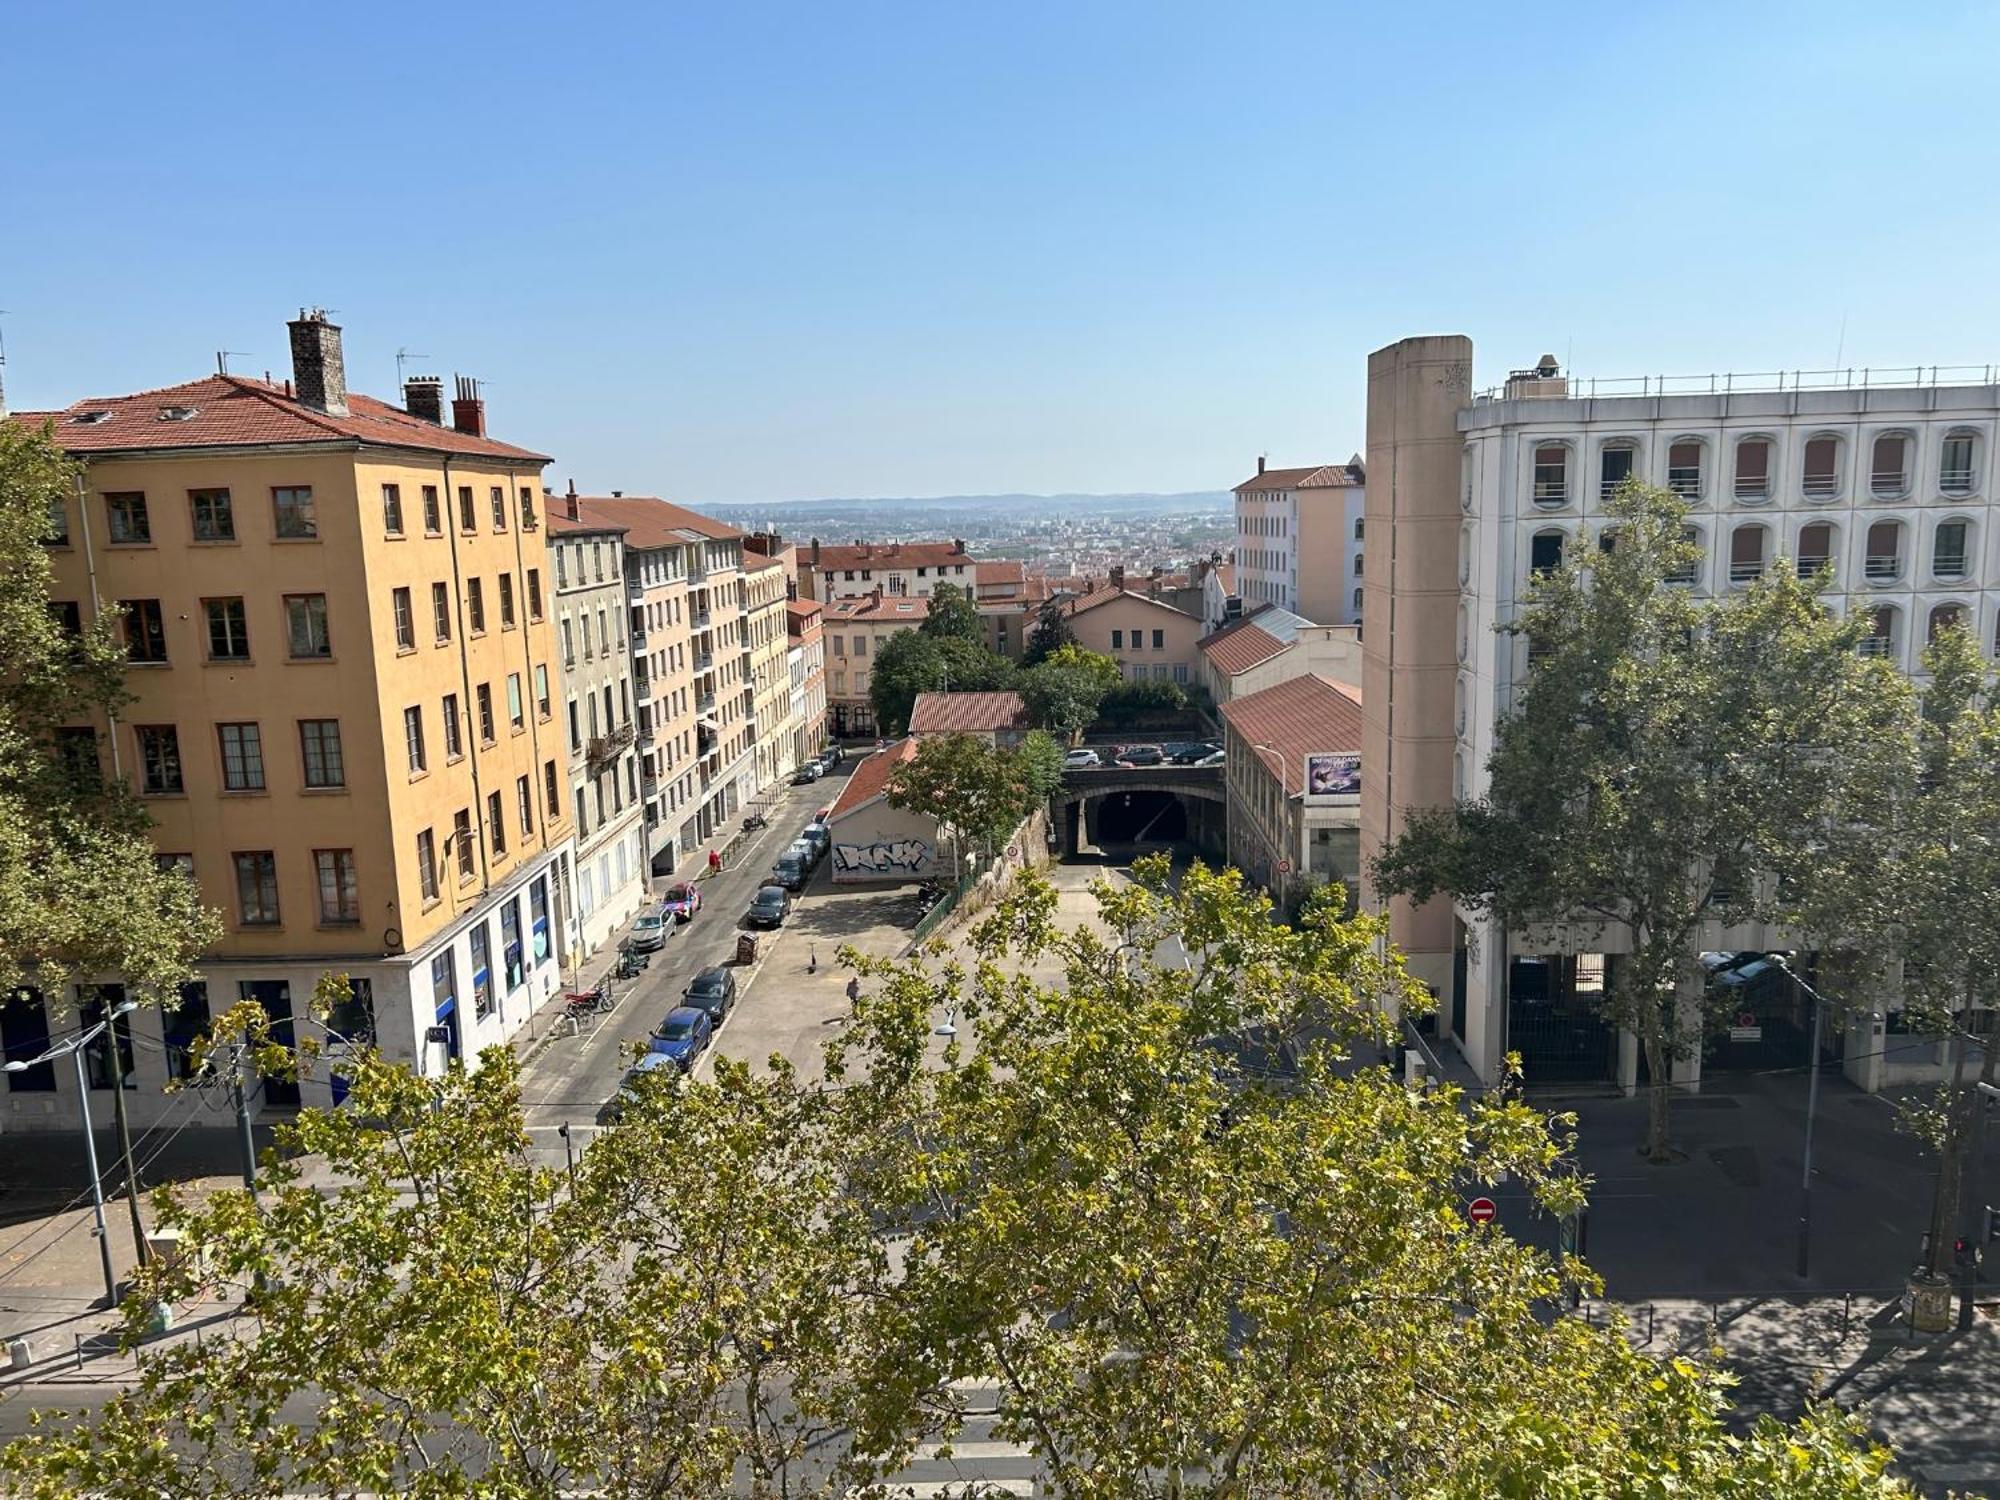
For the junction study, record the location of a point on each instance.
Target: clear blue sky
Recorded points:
(760, 251)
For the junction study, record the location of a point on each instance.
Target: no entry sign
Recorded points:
(1482, 1210)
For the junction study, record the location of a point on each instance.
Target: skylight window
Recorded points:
(90, 418)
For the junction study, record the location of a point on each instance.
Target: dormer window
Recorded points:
(90, 418)
(177, 413)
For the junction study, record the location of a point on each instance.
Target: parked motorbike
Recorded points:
(753, 821)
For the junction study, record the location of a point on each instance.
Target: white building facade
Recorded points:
(1891, 485)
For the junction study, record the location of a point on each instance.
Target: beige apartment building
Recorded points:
(343, 683)
(684, 577)
(901, 570)
(1292, 770)
(805, 666)
(592, 627)
(1271, 645)
(764, 641)
(855, 630)
(1148, 638)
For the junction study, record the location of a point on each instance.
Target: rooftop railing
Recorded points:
(1898, 377)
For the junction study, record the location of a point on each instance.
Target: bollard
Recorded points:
(1649, 1323)
(1846, 1311)
(77, 1339)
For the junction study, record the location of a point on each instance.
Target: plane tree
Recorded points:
(1672, 765)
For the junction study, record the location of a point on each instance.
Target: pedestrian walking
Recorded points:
(714, 862)
(853, 989)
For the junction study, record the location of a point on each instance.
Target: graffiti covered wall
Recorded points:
(897, 857)
(879, 842)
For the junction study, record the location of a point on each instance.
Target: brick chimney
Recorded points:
(569, 502)
(1118, 575)
(1260, 463)
(815, 552)
(319, 372)
(423, 398)
(468, 412)
(958, 545)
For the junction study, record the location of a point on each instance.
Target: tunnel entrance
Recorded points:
(1141, 817)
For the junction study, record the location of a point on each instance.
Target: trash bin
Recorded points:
(746, 948)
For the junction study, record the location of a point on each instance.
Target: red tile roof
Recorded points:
(757, 562)
(1238, 648)
(967, 713)
(1297, 718)
(879, 608)
(870, 779)
(648, 521)
(1319, 477)
(229, 411)
(1106, 595)
(887, 555)
(801, 609)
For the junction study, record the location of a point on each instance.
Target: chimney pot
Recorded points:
(958, 545)
(815, 552)
(468, 412)
(569, 501)
(318, 367)
(1260, 463)
(423, 398)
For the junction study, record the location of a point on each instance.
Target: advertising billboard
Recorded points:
(1331, 775)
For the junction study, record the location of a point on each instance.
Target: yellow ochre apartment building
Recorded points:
(344, 704)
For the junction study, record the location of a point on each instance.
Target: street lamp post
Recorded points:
(73, 1049)
(1812, 1110)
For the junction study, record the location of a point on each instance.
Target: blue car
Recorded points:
(682, 1035)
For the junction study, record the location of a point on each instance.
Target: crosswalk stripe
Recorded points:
(969, 1452)
(960, 1489)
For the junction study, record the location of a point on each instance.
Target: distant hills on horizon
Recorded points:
(836, 506)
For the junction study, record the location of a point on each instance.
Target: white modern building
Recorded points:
(1888, 478)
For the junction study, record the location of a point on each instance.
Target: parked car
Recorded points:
(808, 773)
(628, 1093)
(682, 1035)
(1141, 755)
(792, 870)
(1191, 752)
(1081, 759)
(769, 907)
(651, 928)
(712, 991)
(683, 900)
(1213, 758)
(832, 756)
(819, 837)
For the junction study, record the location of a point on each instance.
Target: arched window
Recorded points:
(1943, 618)
(1545, 552)
(1458, 774)
(1885, 552)
(1951, 548)
(1753, 469)
(1746, 554)
(1881, 637)
(1958, 462)
(1360, 524)
(1819, 478)
(1464, 632)
(1815, 548)
(1458, 706)
(1551, 476)
(1889, 465)
(1465, 555)
(1616, 462)
(1357, 601)
(1689, 571)
(1359, 558)
(1684, 468)
(1607, 539)
(1465, 478)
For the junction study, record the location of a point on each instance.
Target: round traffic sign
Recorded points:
(1482, 1210)
(1284, 867)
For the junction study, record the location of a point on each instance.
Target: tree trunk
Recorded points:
(1944, 1203)
(1659, 1092)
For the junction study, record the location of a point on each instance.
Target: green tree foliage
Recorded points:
(1040, 759)
(1670, 763)
(977, 793)
(1128, 702)
(1063, 692)
(1049, 635)
(953, 615)
(911, 662)
(1942, 849)
(79, 889)
(1189, 1273)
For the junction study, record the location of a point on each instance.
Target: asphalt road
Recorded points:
(571, 1077)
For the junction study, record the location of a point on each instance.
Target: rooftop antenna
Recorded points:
(222, 359)
(403, 357)
(1840, 348)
